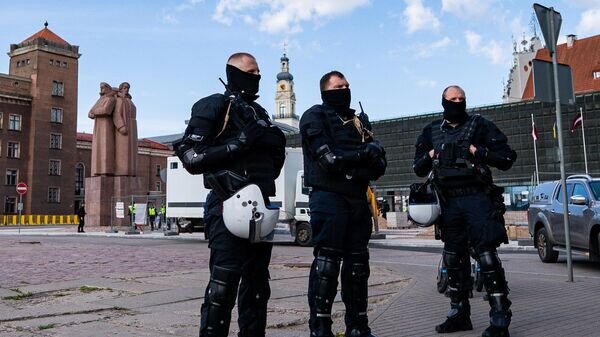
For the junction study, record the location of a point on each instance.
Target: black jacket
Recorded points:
(492, 147)
(261, 162)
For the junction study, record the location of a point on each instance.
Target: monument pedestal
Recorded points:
(101, 194)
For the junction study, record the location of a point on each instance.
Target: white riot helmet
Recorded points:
(423, 205)
(246, 215)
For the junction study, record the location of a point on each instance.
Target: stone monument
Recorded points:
(114, 155)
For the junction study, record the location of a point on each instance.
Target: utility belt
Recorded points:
(462, 191)
(225, 183)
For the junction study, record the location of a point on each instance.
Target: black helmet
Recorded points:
(423, 205)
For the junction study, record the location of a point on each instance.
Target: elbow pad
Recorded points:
(326, 159)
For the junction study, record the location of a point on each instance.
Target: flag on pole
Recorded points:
(534, 133)
(576, 121)
(554, 129)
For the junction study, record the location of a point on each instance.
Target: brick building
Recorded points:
(39, 143)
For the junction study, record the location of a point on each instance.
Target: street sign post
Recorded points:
(550, 21)
(21, 189)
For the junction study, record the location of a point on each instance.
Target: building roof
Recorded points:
(46, 34)
(144, 142)
(583, 58)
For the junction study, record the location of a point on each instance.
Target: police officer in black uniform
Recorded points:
(340, 158)
(460, 148)
(231, 140)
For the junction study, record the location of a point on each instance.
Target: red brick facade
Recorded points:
(38, 130)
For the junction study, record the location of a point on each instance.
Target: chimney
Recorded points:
(571, 38)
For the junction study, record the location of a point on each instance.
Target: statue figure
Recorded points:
(126, 135)
(103, 140)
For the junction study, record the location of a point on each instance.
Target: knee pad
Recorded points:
(326, 271)
(489, 261)
(220, 299)
(452, 260)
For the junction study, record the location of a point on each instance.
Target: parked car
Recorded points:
(546, 224)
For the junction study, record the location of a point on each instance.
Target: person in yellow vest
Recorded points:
(131, 214)
(152, 216)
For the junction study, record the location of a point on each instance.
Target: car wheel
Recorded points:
(595, 255)
(303, 234)
(442, 277)
(545, 247)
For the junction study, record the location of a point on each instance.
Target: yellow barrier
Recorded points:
(38, 220)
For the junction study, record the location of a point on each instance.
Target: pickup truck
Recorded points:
(546, 224)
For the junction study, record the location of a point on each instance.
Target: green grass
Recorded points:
(46, 326)
(86, 289)
(21, 295)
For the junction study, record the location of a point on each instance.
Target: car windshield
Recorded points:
(595, 186)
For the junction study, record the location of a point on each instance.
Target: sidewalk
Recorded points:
(394, 239)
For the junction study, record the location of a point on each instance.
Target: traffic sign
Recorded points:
(550, 21)
(21, 188)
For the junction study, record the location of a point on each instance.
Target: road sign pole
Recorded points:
(561, 150)
(20, 206)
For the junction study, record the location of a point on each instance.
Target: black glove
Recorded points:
(373, 150)
(252, 132)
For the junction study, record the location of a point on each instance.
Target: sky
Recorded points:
(398, 55)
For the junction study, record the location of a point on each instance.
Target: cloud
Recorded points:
(282, 16)
(466, 8)
(427, 83)
(170, 19)
(589, 22)
(187, 4)
(491, 50)
(424, 50)
(419, 17)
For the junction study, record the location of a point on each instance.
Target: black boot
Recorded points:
(321, 294)
(497, 291)
(458, 319)
(355, 293)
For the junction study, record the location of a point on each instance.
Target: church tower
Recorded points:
(285, 98)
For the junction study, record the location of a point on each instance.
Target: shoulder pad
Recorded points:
(211, 107)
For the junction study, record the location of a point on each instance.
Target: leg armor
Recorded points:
(355, 292)
(459, 314)
(254, 295)
(497, 290)
(321, 294)
(218, 302)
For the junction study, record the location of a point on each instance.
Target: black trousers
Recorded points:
(251, 260)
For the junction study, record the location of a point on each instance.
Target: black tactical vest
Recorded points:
(345, 136)
(255, 164)
(453, 167)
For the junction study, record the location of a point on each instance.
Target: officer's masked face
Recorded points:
(337, 95)
(455, 105)
(243, 77)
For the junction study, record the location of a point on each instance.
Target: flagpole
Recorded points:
(583, 136)
(537, 171)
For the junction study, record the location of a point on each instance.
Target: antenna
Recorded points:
(533, 24)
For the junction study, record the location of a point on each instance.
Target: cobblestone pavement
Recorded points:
(85, 286)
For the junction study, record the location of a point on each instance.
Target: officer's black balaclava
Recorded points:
(454, 112)
(339, 99)
(244, 83)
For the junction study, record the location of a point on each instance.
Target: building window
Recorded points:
(11, 177)
(14, 122)
(10, 205)
(157, 186)
(64, 64)
(79, 175)
(174, 165)
(13, 150)
(28, 61)
(158, 170)
(54, 169)
(281, 110)
(58, 88)
(1, 119)
(56, 115)
(597, 75)
(53, 194)
(51, 62)
(56, 141)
